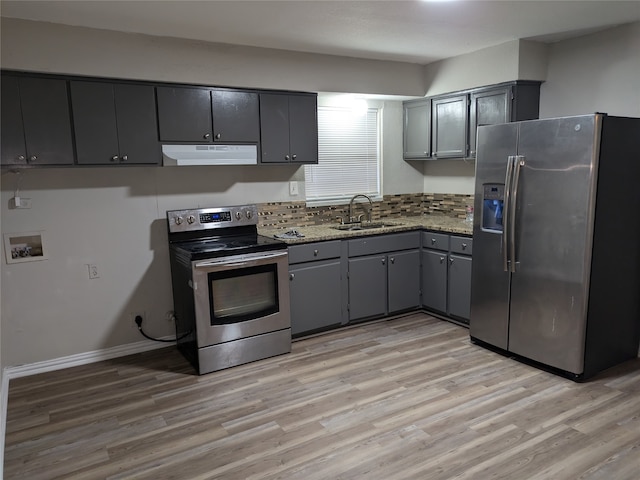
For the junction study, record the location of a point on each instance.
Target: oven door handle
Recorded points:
(240, 260)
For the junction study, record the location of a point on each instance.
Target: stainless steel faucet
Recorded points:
(367, 211)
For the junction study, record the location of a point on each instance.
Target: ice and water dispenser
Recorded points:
(492, 207)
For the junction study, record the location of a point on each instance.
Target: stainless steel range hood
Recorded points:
(185, 155)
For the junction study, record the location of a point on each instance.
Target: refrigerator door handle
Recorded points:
(506, 212)
(519, 162)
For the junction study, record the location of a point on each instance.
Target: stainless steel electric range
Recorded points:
(230, 287)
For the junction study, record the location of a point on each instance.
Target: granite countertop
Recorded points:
(318, 233)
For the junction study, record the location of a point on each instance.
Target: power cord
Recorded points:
(138, 321)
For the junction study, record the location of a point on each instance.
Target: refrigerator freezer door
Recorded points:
(553, 232)
(489, 320)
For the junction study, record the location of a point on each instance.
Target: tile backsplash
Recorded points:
(297, 214)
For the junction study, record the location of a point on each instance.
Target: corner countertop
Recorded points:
(318, 233)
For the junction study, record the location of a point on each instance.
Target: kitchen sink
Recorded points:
(366, 225)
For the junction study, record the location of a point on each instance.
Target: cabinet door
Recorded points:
(417, 130)
(449, 123)
(95, 127)
(47, 121)
(137, 124)
(184, 114)
(367, 286)
(14, 151)
(434, 280)
(274, 127)
(315, 292)
(303, 129)
(404, 280)
(460, 286)
(488, 108)
(236, 116)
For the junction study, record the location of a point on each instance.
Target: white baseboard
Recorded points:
(85, 358)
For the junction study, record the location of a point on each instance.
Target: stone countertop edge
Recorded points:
(319, 233)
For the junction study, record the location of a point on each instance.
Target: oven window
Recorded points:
(243, 294)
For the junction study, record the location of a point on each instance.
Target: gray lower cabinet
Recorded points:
(384, 274)
(288, 128)
(315, 282)
(434, 280)
(403, 280)
(459, 286)
(446, 274)
(367, 286)
(115, 124)
(35, 122)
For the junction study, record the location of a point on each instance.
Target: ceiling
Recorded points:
(408, 31)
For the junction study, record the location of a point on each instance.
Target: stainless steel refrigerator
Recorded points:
(556, 254)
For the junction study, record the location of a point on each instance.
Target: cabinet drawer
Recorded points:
(463, 245)
(383, 243)
(314, 251)
(435, 241)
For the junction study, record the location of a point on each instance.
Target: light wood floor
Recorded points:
(408, 398)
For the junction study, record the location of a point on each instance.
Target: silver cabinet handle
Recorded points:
(218, 136)
(114, 158)
(441, 259)
(315, 253)
(393, 260)
(292, 276)
(464, 246)
(206, 136)
(384, 260)
(294, 156)
(33, 158)
(124, 158)
(286, 157)
(450, 261)
(21, 158)
(433, 241)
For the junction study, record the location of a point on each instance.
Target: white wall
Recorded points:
(594, 73)
(515, 60)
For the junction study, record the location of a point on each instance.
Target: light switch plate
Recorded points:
(293, 188)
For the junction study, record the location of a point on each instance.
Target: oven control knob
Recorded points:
(191, 219)
(239, 215)
(248, 214)
(179, 220)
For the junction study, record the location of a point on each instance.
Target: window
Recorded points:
(348, 156)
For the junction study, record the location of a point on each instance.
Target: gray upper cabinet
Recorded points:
(35, 122)
(288, 128)
(507, 103)
(489, 107)
(115, 124)
(236, 116)
(184, 114)
(417, 130)
(449, 117)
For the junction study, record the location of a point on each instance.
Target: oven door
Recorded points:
(241, 296)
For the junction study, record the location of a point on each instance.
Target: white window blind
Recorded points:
(348, 155)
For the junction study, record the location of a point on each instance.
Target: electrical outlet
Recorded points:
(19, 202)
(134, 315)
(293, 188)
(93, 270)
